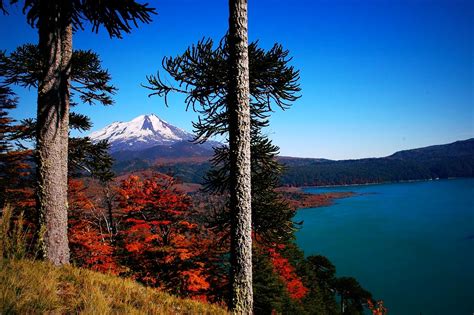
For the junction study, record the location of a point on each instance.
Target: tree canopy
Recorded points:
(115, 16)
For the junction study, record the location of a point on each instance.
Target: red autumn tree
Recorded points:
(89, 237)
(161, 247)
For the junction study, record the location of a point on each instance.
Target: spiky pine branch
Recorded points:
(88, 79)
(84, 155)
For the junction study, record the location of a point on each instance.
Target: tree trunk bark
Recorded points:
(55, 44)
(239, 141)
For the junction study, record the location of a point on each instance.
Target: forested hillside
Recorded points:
(440, 161)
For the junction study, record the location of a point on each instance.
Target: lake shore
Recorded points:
(379, 183)
(298, 199)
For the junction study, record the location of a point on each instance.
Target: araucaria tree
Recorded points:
(203, 75)
(55, 21)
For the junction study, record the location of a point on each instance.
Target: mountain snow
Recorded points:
(140, 133)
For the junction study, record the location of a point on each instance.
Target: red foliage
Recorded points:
(19, 189)
(162, 248)
(89, 238)
(286, 271)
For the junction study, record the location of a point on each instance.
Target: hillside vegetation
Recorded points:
(31, 287)
(439, 161)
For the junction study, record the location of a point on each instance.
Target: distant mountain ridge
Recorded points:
(455, 149)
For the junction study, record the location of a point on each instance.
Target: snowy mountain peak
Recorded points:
(142, 132)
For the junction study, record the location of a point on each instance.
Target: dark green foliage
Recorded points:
(270, 293)
(83, 155)
(77, 121)
(326, 291)
(268, 290)
(8, 179)
(8, 101)
(272, 218)
(22, 67)
(320, 277)
(15, 160)
(89, 81)
(322, 270)
(116, 16)
(93, 158)
(444, 161)
(353, 296)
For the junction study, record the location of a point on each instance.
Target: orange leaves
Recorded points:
(151, 238)
(195, 280)
(156, 192)
(162, 222)
(163, 247)
(88, 236)
(286, 271)
(138, 227)
(158, 242)
(134, 247)
(188, 224)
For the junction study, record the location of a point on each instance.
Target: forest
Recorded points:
(231, 244)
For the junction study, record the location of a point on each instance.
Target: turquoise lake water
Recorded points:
(410, 244)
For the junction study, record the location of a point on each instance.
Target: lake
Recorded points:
(410, 244)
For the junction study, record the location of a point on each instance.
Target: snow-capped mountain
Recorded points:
(142, 132)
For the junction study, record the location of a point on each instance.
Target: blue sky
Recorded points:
(377, 76)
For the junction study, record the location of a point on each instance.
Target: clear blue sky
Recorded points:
(377, 76)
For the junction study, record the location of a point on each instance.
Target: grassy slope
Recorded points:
(28, 287)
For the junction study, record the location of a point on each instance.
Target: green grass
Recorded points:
(32, 287)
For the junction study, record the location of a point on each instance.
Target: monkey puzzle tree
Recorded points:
(55, 21)
(203, 75)
(91, 83)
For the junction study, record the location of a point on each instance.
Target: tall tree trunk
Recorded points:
(55, 44)
(239, 138)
